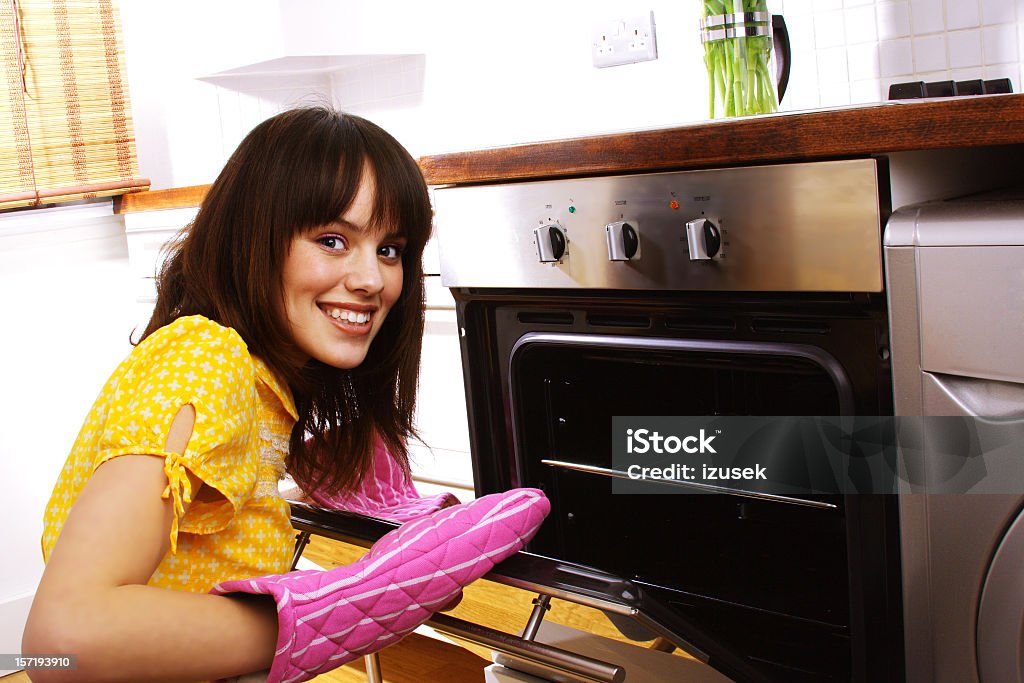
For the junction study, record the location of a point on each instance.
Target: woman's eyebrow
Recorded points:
(384, 232)
(349, 224)
(388, 232)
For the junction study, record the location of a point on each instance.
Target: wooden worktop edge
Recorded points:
(155, 200)
(835, 133)
(880, 128)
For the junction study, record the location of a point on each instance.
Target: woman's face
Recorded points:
(339, 282)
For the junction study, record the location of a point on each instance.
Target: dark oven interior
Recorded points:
(802, 594)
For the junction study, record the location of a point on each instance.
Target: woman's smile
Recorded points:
(350, 319)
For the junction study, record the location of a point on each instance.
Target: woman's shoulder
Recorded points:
(195, 328)
(198, 336)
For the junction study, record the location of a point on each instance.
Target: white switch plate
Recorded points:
(624, 42)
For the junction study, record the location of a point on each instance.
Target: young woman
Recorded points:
(286, 335)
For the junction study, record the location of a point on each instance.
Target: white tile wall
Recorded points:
(894, 41)
(930, 53)
(863, 62)
(828, 29)
(896, 58)
(964, 48)
(1000, 44)
(893, 20)
(998, 12)
(926, 16)
(860, 24)
(962, 15)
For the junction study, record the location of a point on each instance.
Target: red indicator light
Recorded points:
(673, 204)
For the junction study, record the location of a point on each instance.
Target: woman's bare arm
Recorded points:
(92, 601)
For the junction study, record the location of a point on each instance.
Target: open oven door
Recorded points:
(769, 578)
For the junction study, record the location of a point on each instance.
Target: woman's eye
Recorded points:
(331, 241)
(390, 251)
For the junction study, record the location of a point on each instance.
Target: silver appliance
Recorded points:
(736, 291)
(955, 281)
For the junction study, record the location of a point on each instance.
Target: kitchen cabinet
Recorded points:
(442, 457)
(148, 233)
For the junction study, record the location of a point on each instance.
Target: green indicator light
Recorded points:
(572, 209)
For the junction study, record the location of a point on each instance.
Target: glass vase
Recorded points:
(737, 38)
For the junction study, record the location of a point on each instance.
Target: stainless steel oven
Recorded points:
(738, 291)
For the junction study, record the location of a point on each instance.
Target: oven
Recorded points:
(748, 291)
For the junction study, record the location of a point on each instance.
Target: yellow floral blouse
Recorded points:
(244, 415)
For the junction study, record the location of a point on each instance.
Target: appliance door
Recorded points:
(772, 578)
(964, 553)
(956, 290)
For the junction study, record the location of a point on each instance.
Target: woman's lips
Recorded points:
(352, 319)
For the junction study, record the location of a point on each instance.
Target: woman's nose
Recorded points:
(364, 273)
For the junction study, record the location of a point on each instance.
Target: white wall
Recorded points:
(67, 315)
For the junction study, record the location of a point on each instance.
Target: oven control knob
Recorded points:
(623, 240)
(703, 238)
(551, 242)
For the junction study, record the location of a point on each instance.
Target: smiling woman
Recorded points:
(292, 225)
(286, 337)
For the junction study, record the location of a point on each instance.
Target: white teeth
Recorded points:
(348, 316)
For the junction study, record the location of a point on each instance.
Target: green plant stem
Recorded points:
(712, 62)
(719, 75)
(738, 77)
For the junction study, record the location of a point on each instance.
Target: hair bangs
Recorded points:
(331, 174)
(401, 203)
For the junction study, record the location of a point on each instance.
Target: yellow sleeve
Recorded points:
(193, 361)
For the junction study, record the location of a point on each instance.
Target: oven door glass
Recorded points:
(744, 565)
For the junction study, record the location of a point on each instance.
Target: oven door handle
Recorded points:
(704, 488)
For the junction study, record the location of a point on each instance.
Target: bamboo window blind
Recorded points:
(65, 120)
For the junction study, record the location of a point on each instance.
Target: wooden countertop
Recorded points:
(945, 123)
(823, 134)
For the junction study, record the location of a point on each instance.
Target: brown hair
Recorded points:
(298, 170)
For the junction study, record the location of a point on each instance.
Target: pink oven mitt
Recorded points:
(328, 618)
(387, 492)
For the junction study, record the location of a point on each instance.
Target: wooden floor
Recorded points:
(423, 659)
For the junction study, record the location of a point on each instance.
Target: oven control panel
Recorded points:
(812, 226)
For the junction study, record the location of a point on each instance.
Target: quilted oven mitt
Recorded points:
(387, 492)
(328, 618)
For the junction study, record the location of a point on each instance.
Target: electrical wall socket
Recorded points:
(624, 42)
